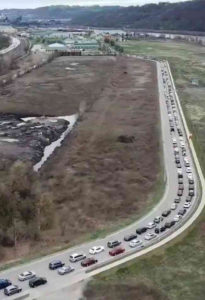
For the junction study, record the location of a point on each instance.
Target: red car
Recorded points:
(117, 251)
(88, 262)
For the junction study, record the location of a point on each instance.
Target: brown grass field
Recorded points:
(95, 180)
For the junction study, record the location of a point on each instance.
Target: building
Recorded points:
(63, 50)
(56, 47)
(86, 44)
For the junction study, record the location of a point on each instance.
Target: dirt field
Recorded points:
(59, 87)
(106, 170)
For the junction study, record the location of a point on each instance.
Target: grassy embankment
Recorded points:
(179, 271)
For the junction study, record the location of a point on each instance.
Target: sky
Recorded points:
(38, 3)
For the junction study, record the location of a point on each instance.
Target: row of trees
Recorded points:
(114, 44)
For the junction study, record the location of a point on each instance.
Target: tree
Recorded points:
(45, 210)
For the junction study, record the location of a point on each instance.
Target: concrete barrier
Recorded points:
(20, 297)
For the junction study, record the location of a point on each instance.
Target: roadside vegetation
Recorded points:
(177, 272)
(26, 209)
(4, 42)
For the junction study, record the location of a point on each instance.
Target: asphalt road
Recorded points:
(57, 283)
(14, 43)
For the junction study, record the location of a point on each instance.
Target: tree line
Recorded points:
(187, 15)
(26, 209)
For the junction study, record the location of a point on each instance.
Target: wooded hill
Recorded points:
(164, 16)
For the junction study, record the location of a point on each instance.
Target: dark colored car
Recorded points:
(191, 192)
(117, 251)
(88, 262)
(162, 229)
(191, 181)
(141, 230)
(180, 175)
(112, 244)
(4, 283)
(177, 160)
(166, 213)
(180, 193)
(180, 180)
(177, 200)
(37, 281)
(182, 212)
(157, 230)
(130, 237)
(188, 198)
(180, 132)
(11, 290)
(53, 265)
(191, 186)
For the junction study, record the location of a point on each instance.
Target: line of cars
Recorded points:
(11, 289)
(153, 228)
(180, 151)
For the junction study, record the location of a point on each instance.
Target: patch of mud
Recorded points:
(32, 135)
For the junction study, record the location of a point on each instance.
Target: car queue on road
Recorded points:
(161, 223)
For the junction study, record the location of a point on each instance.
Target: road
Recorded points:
(14, 44)
(56, 283)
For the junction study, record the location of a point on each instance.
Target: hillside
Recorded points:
(164, 16)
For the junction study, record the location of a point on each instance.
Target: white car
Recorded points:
(188, 170)
(187, 205)
(150, 236)
(173, 206)
(179, 171)
(174, 141)
(96, 249)
(26, 275)
(190, 176)
(177, 218)
(77, 257)
(176, 150)
(136, 243)
(151, 225)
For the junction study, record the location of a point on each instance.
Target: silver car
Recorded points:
(65, 270)
(136, 243)
(12, 289)
(26, 275)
